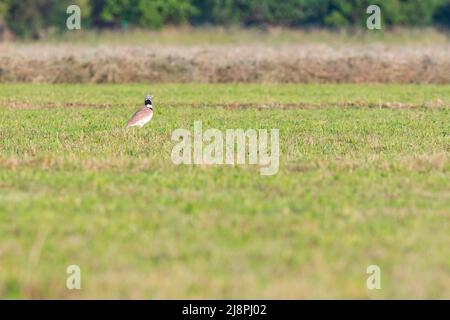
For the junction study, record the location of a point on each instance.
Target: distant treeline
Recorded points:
(29, 18)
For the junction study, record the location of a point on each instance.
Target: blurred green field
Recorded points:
(364, 179)
(237, 36)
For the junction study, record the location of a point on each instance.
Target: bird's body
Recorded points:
(142, 116)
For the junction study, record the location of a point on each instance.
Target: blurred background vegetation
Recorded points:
(37, 18)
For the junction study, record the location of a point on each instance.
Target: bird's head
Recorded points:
(148, 100)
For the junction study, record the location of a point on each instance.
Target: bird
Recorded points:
(142, 116)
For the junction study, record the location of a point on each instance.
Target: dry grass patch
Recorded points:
(373, 63)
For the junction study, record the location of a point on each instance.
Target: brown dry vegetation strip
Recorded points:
(351, 104)
(87, 164)
(49, 105)
(223, 64)
(417, 163)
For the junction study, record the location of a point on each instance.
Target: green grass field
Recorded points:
(233, 35)
(364, 179)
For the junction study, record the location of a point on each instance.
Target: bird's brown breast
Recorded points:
(140, 115)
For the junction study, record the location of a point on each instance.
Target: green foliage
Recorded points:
(393, 12)
(442, 14)
(331, 13)
(260, 12)
(144, 13)
(27, 18)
